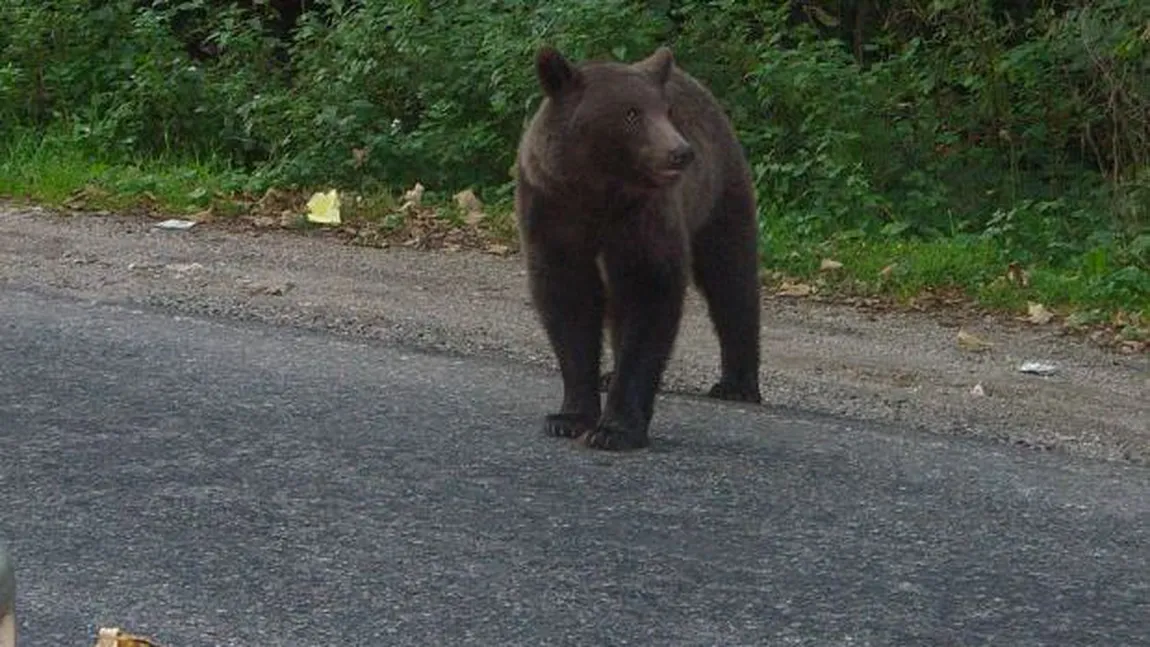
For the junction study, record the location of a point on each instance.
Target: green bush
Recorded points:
(1025, 125)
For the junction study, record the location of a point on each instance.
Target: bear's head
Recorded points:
(613, 120)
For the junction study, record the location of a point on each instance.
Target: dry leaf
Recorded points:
(114, 637)
(207, 215)
(468, 201)
(1038, 314)
(1016, 275)
(886, 271)
(788, 289)
(968, 341)
(359, 155)
(830, 265)
(498, 250)
(413, 196)
(1132, 346)
(473, 208)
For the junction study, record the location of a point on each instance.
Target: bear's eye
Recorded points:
(632, 116)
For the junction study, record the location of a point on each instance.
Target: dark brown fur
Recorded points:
(633, 174)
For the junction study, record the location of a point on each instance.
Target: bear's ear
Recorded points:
(658, 65)
(555, 74)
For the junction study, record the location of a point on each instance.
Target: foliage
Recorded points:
(1020, 127)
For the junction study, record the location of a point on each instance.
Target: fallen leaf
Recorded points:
(291, 219)
(969, 341)
(498, 250)
(789, 289)
(1016, 275)
(471, 205)
(1132, 346)
(830, 265)
(886, 271)
(323, 208)
(414, 195)
(467, 199)
(114, 637)
(1038, 314)
(206, 215)
(359, 155)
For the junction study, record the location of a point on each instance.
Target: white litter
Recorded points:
(1038, 368)
(177, 224)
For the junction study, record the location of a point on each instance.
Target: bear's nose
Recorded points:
(681, 156)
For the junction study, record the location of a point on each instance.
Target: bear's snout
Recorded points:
(680, 157)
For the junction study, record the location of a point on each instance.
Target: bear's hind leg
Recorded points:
(725, 266)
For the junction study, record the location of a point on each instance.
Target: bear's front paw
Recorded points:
(605, 381)
(736, 393)
(615, 437)
(567, 425)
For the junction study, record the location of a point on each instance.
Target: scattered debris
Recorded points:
(1017, 276)
(789, 289)
(471, 205)
(971, 342)
(207, 215)
(359, 155)
(271, 288)
(184, 268)
(1036, 313)
(412, 198)
(114, 637)
(1132, 346)
(144, 266)
(1038, 368)
(323, 208)
(176, 224)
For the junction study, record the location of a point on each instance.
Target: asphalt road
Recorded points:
(207, 482)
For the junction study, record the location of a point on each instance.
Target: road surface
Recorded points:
(210, 482)
(890, 368)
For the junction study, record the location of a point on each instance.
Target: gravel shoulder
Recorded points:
(903, 368)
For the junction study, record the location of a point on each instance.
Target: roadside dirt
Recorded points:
(905, 368)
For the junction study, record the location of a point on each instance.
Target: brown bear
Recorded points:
(629, 181)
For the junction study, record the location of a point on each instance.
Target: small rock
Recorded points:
(183, 268)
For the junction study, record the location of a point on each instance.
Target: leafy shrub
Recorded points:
(1025, 125)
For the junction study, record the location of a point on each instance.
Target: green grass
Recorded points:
(50, 170)
(975, 267)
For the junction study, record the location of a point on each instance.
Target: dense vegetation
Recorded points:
(938, 140)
